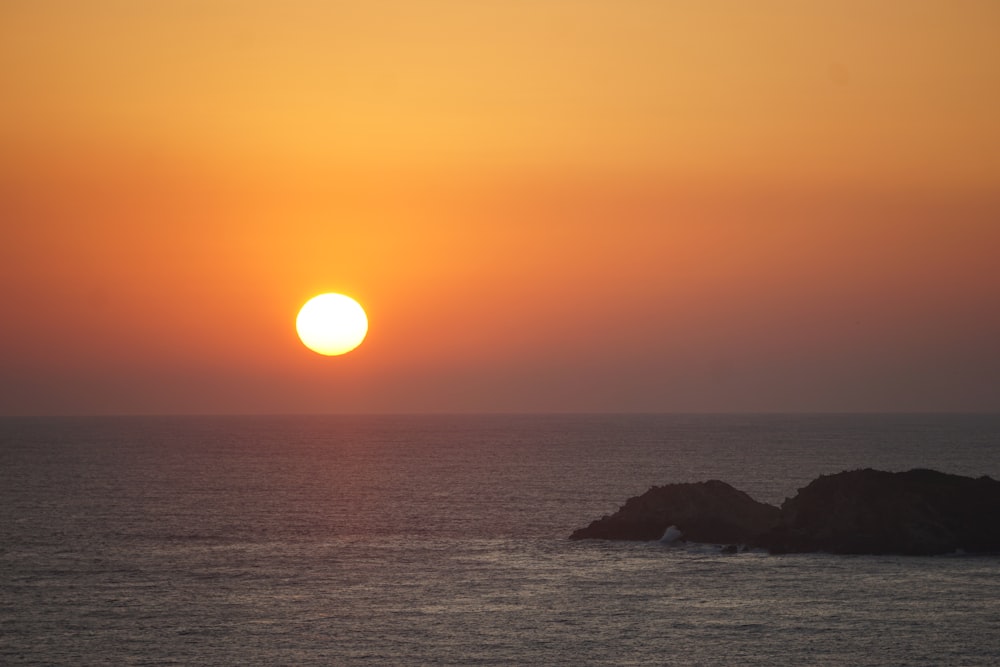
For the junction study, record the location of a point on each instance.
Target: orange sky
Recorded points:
(544, 205)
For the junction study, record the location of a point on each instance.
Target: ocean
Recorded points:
(442, 540)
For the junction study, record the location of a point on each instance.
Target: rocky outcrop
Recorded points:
(920, 512)
(710, 511)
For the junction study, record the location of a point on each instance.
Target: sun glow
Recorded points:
(332, 324)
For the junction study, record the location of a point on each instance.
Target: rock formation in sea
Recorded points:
(710, 511)
(920, 512)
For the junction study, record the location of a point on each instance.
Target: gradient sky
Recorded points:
(544, 205)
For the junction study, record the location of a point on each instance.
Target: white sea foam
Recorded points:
(671, 535)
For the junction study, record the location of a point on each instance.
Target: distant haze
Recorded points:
(543, 206)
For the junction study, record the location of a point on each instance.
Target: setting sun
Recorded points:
(332, 324)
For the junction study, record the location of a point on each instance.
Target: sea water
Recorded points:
(399, 540)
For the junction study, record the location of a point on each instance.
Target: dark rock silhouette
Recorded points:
(710, 511)
(920, 512)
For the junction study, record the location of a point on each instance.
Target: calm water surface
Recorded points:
(442, 540)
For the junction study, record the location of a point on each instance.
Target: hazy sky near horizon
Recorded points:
(544, 205)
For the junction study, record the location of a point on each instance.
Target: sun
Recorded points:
(332, 324)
